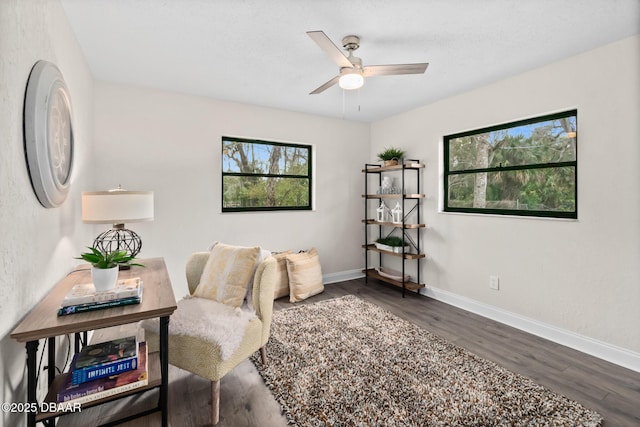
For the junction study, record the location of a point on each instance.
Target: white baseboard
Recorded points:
(341, 276)
(602, 350)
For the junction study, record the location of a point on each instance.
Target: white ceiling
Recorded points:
(257, 52)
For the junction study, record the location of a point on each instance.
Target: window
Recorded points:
(263, 175)
(528, 168)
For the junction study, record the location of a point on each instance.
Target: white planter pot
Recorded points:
(104, 279)
(384, 247)
(398, 249)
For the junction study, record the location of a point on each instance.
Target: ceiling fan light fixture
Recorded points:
(351, 79)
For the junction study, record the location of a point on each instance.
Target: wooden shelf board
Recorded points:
(406, 256)
(392, 224)
(394, 168)
(412, 286)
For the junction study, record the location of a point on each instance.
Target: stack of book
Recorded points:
(83, 297)
(105, 369)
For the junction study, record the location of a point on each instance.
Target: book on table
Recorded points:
(83, 297)
(91, 306)
(106, 386)
(107, 351)
(104, 359)
(85, 293)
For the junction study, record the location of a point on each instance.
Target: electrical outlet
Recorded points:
(494, 282)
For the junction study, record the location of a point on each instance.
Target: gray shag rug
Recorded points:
(347, 362)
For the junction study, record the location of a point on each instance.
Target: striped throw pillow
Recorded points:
(305, 275)
(227, 273)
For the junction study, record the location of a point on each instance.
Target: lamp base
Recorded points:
(119, 239)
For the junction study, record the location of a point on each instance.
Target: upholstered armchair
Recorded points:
(194, 354)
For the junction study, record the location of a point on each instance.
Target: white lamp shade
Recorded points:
(350, 80)
(117, 206)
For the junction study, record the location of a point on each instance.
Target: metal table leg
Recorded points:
(164, 369)
(32, 351)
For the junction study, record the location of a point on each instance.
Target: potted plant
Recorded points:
(391, 156)
(105, 265)
(392, 244)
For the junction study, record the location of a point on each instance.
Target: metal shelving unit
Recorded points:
(409, 231)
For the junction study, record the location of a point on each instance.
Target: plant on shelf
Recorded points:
(105, 265)
(391, 241)
(391, 156)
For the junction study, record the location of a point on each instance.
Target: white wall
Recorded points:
(582, 276)
(37, 245)
(152, 140)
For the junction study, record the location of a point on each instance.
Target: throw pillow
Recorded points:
(305, 275)
(262, 256)
(227, 274)
(282, 278)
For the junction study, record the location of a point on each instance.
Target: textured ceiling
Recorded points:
(257, 52)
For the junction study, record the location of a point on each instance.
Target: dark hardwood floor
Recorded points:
(611, 390)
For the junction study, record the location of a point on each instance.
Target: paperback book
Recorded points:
(91, 306)
(85, 293)
(107, 369)
(106, 386)
(105, 352)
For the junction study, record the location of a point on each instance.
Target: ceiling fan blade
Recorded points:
(394, 69)
(325, 86)
(329, 48)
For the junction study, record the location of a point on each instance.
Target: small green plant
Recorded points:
(390, 154)
(102, 260)
(391, 241)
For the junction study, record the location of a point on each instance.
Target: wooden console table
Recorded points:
(42, 322)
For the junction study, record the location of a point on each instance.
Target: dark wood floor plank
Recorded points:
(611, 390)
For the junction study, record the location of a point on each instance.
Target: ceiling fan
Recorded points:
(352, 73)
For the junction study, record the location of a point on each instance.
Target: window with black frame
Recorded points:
(264, 175)
(526, 168)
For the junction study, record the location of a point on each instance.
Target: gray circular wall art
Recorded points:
(48, 134)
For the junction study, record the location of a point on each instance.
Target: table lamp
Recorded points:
(117, 207)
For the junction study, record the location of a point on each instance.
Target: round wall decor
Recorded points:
(48, 134)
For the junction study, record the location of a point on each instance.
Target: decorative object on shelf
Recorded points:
(382, 212)
(392, 244)
(104, 266)
(117, 207)
(387, 183)
(48, 134)
(396, 214)
(392, 274)
(391, 156)
(387, 187)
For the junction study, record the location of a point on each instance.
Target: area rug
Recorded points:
(347, 362)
